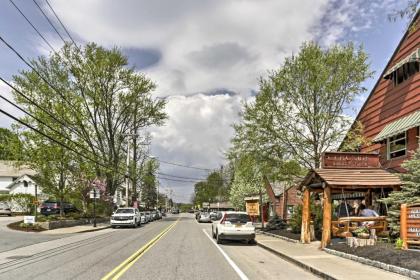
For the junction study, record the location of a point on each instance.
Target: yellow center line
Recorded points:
(125, 265)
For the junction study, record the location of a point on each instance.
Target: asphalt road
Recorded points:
(12, 239)
(176, 247)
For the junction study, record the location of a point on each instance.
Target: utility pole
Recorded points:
(157, 195)
(127, 175)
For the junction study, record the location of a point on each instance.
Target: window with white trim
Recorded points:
(397, 145)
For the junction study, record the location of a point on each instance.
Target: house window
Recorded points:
(404, 72)
(397, 145)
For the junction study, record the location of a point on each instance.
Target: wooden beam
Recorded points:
(305, 235)
(403, 225)
(326, 220)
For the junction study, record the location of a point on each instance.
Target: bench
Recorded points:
(345, 225)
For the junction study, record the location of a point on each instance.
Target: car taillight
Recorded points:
(223, 219)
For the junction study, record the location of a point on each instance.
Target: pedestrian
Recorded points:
(344, 209)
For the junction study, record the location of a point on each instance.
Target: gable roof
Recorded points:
(9, 168)
(407, 32)
(20, 179)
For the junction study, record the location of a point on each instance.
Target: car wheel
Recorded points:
(218, 239)
(251, 241)
(113, 226)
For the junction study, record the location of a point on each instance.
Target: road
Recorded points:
(176, 247)
(12, 239)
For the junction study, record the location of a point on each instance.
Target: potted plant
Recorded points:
(361, 232)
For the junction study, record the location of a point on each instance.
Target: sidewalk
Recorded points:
(76, 229)
(325, 265)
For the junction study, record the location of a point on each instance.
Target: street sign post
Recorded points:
(94, 194)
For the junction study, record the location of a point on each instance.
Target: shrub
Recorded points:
(276, 222)
(399, 244)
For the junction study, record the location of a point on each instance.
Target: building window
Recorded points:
(397, 145)
(405, 72)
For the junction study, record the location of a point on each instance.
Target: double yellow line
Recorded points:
(125, 265)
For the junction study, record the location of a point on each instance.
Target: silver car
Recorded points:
(204, 217)
(5, 209)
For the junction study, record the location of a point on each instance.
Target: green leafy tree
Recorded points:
(149, 184)
(299, 112)
(410, 192)
(95, 101)
(10, 145)
(355, 138)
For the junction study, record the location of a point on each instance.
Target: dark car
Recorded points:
(53, 208)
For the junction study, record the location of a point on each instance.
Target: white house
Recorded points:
(24, 184)
(10, 172)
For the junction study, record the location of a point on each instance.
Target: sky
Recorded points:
(206, 57)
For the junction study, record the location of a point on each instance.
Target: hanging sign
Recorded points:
(94, 193)
(410, 225)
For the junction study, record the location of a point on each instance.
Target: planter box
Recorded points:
(359, 242)
(68, 223)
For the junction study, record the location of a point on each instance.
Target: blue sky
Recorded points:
(205, 56)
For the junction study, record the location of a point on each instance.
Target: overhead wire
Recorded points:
(33, 26)
(49, 21)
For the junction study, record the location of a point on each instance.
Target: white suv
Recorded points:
(126, 217)
(233, 226)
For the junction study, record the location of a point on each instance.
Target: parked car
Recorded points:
(5, 209)
(163, 214)
(233, 225)
(175, 211)
(204, 217)
(142, 218)
(213, 216)
(149, 217)
(126, 217)
(51, 207)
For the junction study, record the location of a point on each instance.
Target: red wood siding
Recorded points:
(388, 103)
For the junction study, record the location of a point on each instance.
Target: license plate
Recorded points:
(48, 210)
(239, 225)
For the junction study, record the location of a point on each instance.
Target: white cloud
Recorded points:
(6, 121)
(207, 45)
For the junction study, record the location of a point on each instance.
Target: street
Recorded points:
(177, 247)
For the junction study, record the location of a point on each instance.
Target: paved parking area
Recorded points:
(12, 239)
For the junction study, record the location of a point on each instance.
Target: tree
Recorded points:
(213, 189)
(149, 183)
(410, 191)
(355, 138)
(91, 102)
(409, 11)
(10, 145)
(299, 111)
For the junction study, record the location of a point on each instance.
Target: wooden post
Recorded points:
(326, 220)
(403, 225)
(305, 236)
(368, 198)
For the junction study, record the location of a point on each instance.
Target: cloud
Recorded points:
(205, 56)
(6, 121)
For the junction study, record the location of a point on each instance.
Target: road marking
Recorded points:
(125, 265)
(229, 260)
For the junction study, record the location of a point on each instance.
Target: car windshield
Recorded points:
(124, 211)
(237, 218)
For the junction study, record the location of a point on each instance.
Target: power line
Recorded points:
(181, 177)
(36, 30)
(62, 25)
(182, 165)
(49, 21)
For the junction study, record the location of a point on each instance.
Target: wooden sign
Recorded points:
(349, 160)
(410, 225)
(253, 208)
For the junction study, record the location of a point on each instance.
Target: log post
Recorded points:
(305, 235)
(326, 219)
(403, 225)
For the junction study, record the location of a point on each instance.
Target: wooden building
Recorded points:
(391, 113)
(283, 197)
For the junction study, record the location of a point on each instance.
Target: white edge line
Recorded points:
(229, 260)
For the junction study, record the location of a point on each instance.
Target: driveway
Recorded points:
(12, 239)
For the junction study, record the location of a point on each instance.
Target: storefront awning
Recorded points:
(399, 126)
(414, 56)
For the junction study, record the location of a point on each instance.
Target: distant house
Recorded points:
(283, 197)
(13, 178)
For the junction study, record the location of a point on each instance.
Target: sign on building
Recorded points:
(252, 208)
(350, 160)
(410, 225)
(206, 204)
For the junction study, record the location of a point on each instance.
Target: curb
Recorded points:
(93, 229)
(278, 236)
(388, 267)
(311, 269)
